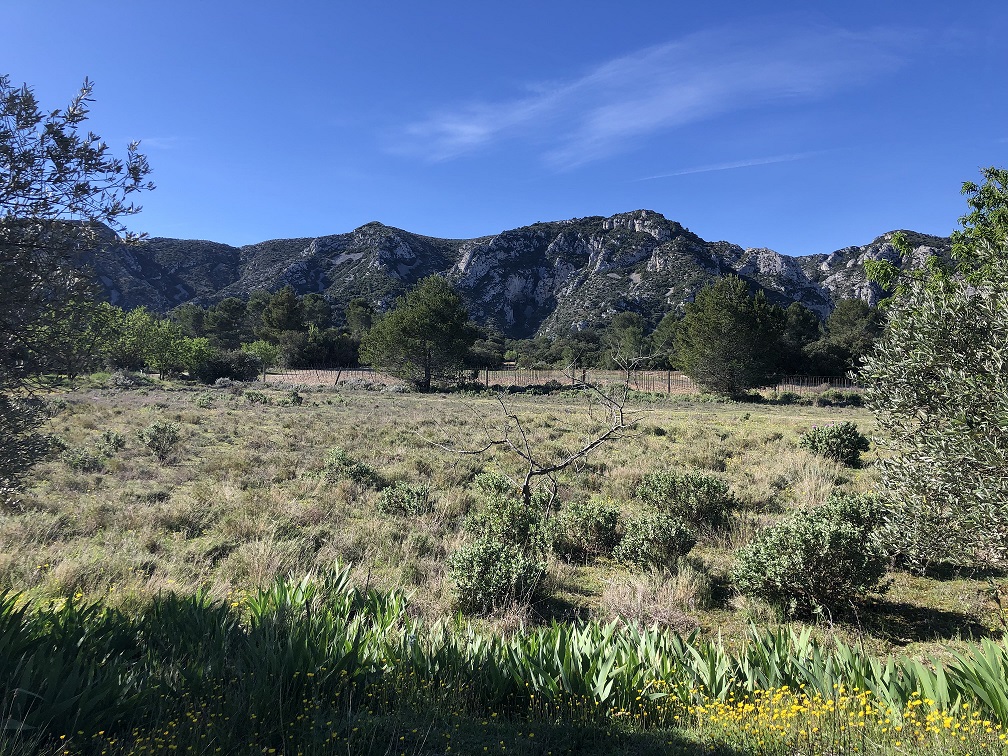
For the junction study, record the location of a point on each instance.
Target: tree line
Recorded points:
(792, 340)
(728, 339)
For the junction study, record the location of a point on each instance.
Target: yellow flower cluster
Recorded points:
(848, 721)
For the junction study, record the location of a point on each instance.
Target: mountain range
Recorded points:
(544, 278)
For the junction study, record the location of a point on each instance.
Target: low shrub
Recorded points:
(256, 397)
(161, 437)
(587, 529)
(124, 380)
(341, 466)
(508, 520)
(694, 497)
(786, 398)
(405, 499)
(490, 574)
(654, 538)
(82, 460)
(842, 442)
(110, 443)
(204, 400)
(491, 485)
(838, 398)
(816, 559)
(291, 399)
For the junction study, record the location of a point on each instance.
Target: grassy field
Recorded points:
(150, 545)
(245, 497)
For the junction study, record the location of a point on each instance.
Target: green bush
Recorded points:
(508, 520)
(587, 529)
(821, 558)
(491, 485)
(786, 397)
(838, 398)
(654, 538)
(341, 466)
(490, 574)
(236, 365)
(204, 400)
(405, 499)
(257, 397)
(291, 399)
(82, 460)
(161, 437)
(842, 442)
(693, 497)
(110, 443)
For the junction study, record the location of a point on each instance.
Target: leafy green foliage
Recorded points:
(61, 191)
(490, 574)
(284, 669)
(938, 385)
(161, 437)
(587, 529)
(82, 460)
(503, 516)
(821, 558)
(502, 562)
(404, 498)
(694, 497)
(339, 465)
(237, 365)
(21, 445)
(654, 538)
(842, 442)
(728, 341)
(110, 443)
(425, 338)
(850, 331)
(268, 354)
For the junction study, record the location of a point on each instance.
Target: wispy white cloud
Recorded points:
(736, 164)
(161, 143)
(659, 89)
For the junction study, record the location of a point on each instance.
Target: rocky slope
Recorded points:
(541, 279)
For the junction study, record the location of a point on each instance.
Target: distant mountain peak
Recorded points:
(543, 278)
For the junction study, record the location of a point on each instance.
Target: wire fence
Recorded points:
(649, 381)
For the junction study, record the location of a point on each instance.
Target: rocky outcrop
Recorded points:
(541, 279)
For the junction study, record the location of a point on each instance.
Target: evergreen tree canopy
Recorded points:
(729, 341)
(425, 338)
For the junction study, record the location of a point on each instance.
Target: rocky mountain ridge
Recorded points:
(544, 278)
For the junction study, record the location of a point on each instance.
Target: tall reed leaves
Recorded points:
(319, 642)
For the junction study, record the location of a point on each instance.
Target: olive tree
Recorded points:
(937, 381)
(62, 194)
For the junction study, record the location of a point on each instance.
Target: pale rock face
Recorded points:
(544, 278)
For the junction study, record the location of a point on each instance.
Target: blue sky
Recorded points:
(802, 127)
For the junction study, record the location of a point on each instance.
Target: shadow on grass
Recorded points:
(556, 608)
(899, 623)
(466, 735)
(952, 572)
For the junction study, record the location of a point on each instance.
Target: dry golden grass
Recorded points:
(247, 497)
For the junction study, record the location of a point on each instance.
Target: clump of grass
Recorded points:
(667, 598)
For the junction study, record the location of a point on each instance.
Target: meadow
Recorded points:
(215, 503)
